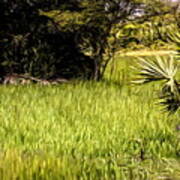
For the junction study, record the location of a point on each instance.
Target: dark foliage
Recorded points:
(35, 44)
(31, 45)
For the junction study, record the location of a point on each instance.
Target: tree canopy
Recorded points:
(71, 39)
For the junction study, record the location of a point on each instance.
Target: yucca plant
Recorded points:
(161, 69)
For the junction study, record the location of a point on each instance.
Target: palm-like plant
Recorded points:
(161, 69)
(164, 69)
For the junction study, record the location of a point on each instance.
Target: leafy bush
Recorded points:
(31, 44)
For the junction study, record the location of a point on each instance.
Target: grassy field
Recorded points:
(107, 130)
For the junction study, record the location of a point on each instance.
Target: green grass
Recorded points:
(87, 130)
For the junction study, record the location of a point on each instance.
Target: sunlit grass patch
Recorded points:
(87, 130)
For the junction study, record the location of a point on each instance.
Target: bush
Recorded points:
(31, 44)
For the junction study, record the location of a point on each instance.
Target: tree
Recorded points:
(59, 38)
(97, 20)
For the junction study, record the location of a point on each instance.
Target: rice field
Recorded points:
(109, 130)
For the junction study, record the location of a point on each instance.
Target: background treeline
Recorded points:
(156, 34)
(74, 39)
(31, 44)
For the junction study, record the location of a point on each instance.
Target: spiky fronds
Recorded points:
(174, 36)
(161, 68)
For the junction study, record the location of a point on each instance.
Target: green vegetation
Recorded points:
(87, 130)
(51, 39)
(162, 69)
(105, 128)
